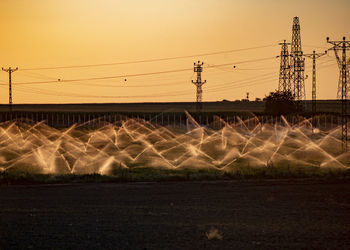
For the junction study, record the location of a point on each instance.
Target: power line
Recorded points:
(162, 94)
(240, 84)
(240, 62)
(37, 75)
(249, 82)
(106, 77)
(217, 88)
(54, 93)
(148, 60)
(314, 46)
(141, 74)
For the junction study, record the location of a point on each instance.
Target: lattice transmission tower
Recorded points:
(297, 62)
(198, 68)
(284, 84)
(340, 65)
(344, 64)
(314, 56)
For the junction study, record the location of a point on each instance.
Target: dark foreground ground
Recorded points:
(250, 214)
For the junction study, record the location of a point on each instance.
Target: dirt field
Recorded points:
(250, 214)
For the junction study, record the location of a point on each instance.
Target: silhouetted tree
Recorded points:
(280, 103)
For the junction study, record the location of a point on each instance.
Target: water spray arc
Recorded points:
(314, 56)
(297, 62)
(198, 68)
(284, 84)
(343, 63)
(30, 147)
(10, 71)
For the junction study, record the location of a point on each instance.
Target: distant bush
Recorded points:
(280, 103)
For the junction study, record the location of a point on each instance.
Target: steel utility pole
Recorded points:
(314, 56)
(343, 63)
(198, 68)
(297, 63)
(284, 84)
(10, 71)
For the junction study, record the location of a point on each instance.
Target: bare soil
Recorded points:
(276, 214)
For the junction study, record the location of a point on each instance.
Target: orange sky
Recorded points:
(48, 33)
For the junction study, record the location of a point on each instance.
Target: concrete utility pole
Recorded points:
(314, 56)
(343, 64)
(10, 71)
(198, 68)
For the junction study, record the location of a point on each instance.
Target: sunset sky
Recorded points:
(62, 33)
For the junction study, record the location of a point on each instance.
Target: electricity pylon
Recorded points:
(284, 84)
(297, 63)
(340, 82)
(198, 68)
(314, 56)
(10, 71)
(343, 63)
